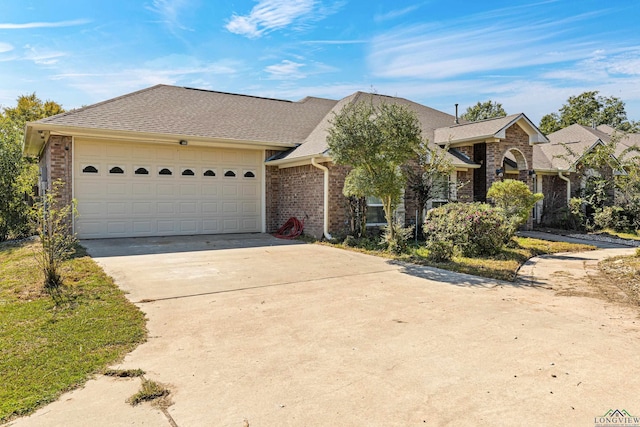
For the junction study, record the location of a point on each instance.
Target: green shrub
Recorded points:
(514, 199)
(396, 237)
(473, 229)
(613, 217)
(439, 250)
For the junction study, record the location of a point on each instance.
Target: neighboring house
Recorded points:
(556, 163)
(172, 160)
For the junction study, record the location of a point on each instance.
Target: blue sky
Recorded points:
(528, 55)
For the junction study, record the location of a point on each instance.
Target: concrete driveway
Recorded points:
(251, 330)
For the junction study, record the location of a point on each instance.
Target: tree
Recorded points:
(375, 140)
(18, 174)
(483, 111)
(425, 177)
(588, 109)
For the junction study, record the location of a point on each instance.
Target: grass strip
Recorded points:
(48, 349)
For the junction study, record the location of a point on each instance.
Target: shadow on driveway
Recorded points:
(174, 244)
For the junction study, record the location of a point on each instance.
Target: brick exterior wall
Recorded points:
(57, 160)
(338, 206)
(515, 138)
(299, 191)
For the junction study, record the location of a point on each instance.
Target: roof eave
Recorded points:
(298, 161)
(34, 147)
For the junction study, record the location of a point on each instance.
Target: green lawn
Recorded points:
(49, 349)
(502, 266)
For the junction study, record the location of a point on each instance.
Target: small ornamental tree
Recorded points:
(53, 221)
(375, 140)
(514, 199)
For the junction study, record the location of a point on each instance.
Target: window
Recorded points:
(440, 192)
(165, 171)
(188, 172)
(375, 212)
(249, 174)
(230, 174)
(209, 172)
(89, 169)
(141, 171)
(116, 170)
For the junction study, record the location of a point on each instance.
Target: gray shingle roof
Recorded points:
(316, 143)
(568, 145)
(485, 129)
(183, 111)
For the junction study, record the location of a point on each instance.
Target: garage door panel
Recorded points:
(117, 227)
(188, 226)
(230, 225)
(211, 226)
(117, 189)
(90, 208)
(142, 208)
(88, 189)
(188, 190)
(166, 226)
(142, 227)
(117, 208)
(188, 207)
(250, 208)
(250, 190)
(142, 189)
(130, 204)
(250, 224)
(165, 190)
(165, 208)
(229, 190)
(209, 190)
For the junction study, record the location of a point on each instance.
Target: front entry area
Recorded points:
(132, 189)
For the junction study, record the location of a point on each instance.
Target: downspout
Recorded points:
(325, 225)
(568, 181)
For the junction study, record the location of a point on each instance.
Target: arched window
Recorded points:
(165, 171)
(209, 172)
(230, 174)
(188, 172)
(89, 169)
(249, 174)
(141, 171)
(116, 169)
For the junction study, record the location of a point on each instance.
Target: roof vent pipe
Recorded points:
(457, 121)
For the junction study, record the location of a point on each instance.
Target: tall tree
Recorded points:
(375, 140)
(483, 110)
(17, 174)
(589, 108)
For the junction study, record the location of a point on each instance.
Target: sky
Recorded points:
(530, 56)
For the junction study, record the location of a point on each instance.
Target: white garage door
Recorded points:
(134, 189)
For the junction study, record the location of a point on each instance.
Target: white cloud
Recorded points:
(269, 15)
(5, 47)
(286, 70)
(31, 25)
(169, 12)
(42, 56)
(397, 13)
